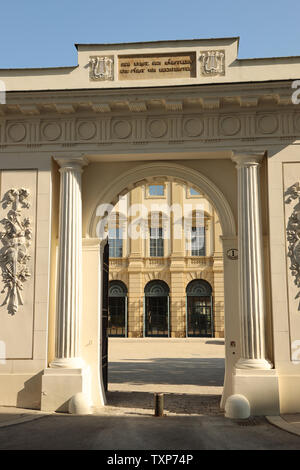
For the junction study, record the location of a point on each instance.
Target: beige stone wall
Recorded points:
(177, 268)
(25, 334)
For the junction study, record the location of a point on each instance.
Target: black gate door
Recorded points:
(104, 337)
(156, 316)
(199, 316)
(157, 312)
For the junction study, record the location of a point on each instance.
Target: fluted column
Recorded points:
(69, 264)
(250, 263)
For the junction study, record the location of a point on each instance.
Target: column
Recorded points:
(250, 264)
(69, 264)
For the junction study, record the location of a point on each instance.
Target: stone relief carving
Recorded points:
(108, 130)
(293, 234)
(212, 63)
(101, 68)
(16, 240)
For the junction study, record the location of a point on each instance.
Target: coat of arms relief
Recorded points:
(14, 255)
(212, 63)
(101, 68)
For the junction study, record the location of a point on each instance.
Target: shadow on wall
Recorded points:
(30, 395)
(208, 371)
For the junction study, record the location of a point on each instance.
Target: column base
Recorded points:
(261, 389)
(67, 363)
(60, 385)
(258, 364)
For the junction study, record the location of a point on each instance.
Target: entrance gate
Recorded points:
(104, 337)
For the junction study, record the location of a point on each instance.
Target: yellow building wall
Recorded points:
(177, 267)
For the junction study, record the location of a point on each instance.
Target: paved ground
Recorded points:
(192, 421)
(194, 365)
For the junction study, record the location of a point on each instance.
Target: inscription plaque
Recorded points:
(152, 66)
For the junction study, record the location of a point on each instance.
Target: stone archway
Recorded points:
(247, 367)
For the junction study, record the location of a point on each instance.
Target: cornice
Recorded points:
(208, 116)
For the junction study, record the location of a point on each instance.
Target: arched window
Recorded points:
(157, 309)
(199, 311)
(117, 309)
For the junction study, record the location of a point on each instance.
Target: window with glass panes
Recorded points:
(198, 241)
(156, 241)
(156, 190)
(115, 243)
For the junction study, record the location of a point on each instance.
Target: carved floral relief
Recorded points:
(14, 254)
(293, 234)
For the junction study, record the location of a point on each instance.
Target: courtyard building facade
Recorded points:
(148, 228)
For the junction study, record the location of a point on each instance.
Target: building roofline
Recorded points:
(157, 87)
(162, 41)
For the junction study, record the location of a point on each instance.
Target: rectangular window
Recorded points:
(198, 241)
(156, 190)
(193, 192)
(115, 243)
(156, 242)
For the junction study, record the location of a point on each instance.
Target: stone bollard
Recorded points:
(158, 404)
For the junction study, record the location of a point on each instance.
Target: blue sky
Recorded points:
(41, 33)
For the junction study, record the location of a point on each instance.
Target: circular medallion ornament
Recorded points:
(230, 125)
(51, 131)
(232, 253)
(122, 129)
(267, 124)
(86, 130)
(157, 128)
(193, 127)
(16, 132)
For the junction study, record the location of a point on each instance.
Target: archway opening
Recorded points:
(166, 295)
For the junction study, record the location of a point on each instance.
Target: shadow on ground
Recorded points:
(173, 402)
(171, 371)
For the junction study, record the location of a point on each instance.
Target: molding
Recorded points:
(212, 127)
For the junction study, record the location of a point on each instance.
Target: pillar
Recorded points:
(250, 264)
(69, 285)
(254, 376)
(67, 374)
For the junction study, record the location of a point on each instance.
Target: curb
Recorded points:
(23, 419)
(281, 423)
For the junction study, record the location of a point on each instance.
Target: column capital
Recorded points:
(71, 161)
(247, 158)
